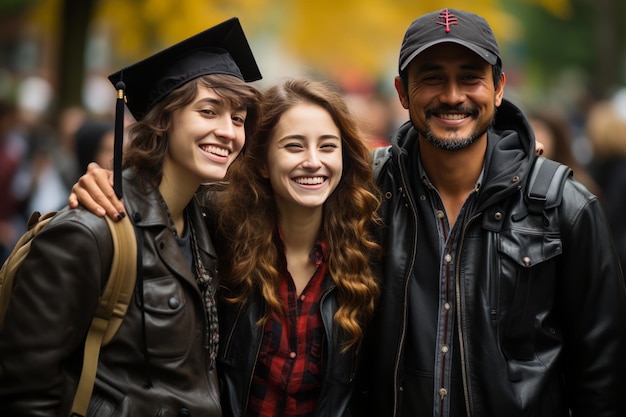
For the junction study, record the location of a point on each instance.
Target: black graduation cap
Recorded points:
(221, 49)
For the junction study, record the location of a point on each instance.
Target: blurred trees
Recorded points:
(331, 37)
(583, 42)
(75, 16)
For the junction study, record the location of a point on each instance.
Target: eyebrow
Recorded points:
(211, 100)
(220, 102)
(302, 137)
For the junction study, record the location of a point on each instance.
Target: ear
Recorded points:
(401, 92)
(500, 90)
(263, 171)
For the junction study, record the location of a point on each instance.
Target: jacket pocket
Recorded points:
(171, 326)
(525, 268)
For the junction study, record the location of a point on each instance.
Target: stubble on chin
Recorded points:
(453, 142)
(449, 144)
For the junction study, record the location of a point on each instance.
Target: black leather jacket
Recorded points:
(541, 304)
(49, 314)
(240, 341)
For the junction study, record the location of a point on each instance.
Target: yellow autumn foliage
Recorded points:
(324, 35)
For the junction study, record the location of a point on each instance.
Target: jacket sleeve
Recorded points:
(55, 296)
(594, 301)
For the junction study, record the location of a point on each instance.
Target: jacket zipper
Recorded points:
(404, 190)
(246, 398)
(244, 406)
(327, 329)
(457, 284)
(230, 334)
(493, 281)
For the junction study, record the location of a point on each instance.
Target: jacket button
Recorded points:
(183, 412)
(174, 303)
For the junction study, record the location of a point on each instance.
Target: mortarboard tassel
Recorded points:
(119, 139)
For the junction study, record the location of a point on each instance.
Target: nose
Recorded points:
(312, 160)
(452, 93)
(225, 128)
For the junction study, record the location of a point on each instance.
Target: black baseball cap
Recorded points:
(221, 49)
(449, 25)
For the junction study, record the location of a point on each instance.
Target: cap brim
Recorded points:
(481, 52)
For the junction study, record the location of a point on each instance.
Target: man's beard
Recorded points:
(455, 143)
(452, 144)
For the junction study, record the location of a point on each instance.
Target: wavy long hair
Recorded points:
(148, 144)
(247, 216)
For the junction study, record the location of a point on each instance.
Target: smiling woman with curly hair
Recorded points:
(296, 279)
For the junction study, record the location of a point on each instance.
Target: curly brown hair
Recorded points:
(146, 149)
(247, 216)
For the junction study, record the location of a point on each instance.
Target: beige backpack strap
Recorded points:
(111, 309)
(14, 261)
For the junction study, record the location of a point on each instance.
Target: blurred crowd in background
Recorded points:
(44, 152)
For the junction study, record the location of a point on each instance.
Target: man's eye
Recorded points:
(471, 78)
(431, 79)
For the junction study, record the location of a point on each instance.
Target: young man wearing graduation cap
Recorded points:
(193, 107)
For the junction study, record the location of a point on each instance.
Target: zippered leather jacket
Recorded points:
(540, 299)
(240, 341)
(57, 292)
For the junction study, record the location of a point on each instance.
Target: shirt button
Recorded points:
(439, 214)
(443, 392)
(292, 355)
(444, 349)
(447, 306)
(448, 258)
(303, 297)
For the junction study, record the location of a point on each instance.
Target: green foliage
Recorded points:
(587, 39)
(14, 6)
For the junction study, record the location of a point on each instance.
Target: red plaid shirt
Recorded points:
(288, 374)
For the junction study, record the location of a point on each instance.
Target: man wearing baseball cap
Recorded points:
(502, 293)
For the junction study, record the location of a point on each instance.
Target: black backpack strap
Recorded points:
(379, 157)
(545, 184)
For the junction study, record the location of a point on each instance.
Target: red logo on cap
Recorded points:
(448, 19)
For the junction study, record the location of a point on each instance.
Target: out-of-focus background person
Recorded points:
(94, 141)
(554, 131)
(606, 130)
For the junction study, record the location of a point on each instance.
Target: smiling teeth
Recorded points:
(310, 180)
(215, 150)
(454, 116)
